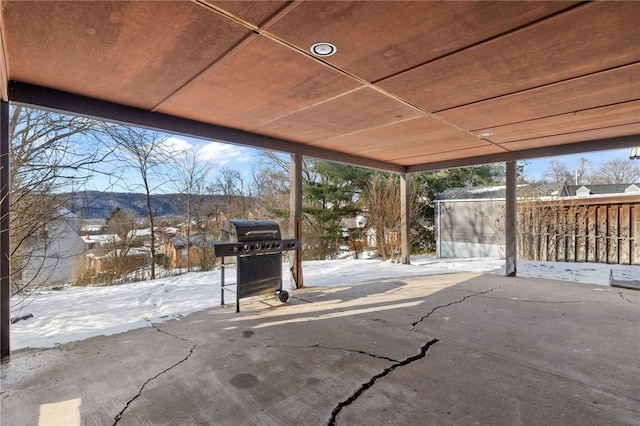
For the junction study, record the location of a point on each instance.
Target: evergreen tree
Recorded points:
(332, 195)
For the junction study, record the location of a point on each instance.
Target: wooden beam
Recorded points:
(5, 250)
(295, 213)
(405, 215)
(4, 69)
(511, 226)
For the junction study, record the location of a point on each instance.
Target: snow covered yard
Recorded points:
(76, 313)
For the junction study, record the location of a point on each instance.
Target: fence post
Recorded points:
(295, 207)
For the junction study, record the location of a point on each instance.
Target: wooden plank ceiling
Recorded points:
(412, 85)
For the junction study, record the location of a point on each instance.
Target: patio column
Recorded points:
(5, 288)
(404, 219)
(511, 249)
(295, 208)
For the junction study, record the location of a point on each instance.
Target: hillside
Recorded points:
(98, 205)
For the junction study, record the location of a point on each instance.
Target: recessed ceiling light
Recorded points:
(485, 134)
(323, 49)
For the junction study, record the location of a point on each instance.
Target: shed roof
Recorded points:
(499, 192)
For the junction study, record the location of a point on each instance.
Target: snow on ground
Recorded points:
(76, 313)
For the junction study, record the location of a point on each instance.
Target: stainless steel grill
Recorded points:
(258, 246)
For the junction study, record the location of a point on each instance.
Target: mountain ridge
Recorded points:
(99, 205)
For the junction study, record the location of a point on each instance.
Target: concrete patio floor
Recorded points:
(450, 349)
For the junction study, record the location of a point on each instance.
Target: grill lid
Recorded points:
(250, 230)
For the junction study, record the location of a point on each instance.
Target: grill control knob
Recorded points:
(267, 246)
(291, 245)
(277, 245)
(257, 247)
(246, 248)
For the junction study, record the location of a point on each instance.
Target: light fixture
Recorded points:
(323, 49)
(485, 134)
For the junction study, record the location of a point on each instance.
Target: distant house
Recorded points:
(355, 235)
(180, 251)
(55, 252)
(93, 242)
(115, 261)
(600, 190)
(141, 236)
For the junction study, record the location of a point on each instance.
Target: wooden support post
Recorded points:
(405, 250)
(511, 249)
(295, 203)
(5, 251)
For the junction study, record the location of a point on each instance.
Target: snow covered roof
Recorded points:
(496, 192)
(101, 239)
(134, 251)
(195, 240)
(605, 189)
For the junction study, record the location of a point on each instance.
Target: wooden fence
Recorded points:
(602, 230)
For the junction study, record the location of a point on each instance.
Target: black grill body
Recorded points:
(258, 246)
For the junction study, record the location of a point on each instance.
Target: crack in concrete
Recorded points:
(365, 386)
(299, 298)
(336, 349)
(622, 296)
(558, 302)
(118, 417)
(424, 317)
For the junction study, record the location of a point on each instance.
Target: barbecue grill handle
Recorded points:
(261, 232)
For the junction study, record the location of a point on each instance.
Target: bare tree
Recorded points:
(190, 183)
(235, 192)
(557, 171)
(271, 189)
(382, 197)
(121, 224)
(583, 168)
(51, 154)
(146, 152)
(617, 171)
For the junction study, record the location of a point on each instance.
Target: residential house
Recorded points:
(600, 190)
(56, 251)
(181, 252)
(354, 234)
(95, 242)
(117, 262)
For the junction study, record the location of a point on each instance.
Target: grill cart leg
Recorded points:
(222, 282)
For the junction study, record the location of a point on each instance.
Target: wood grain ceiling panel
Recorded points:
(448, 143)
(133, 53)
(371, 45)
(550, 51)
(356, 111)
(395, 135)
(254, 12)
(260, 81)
(470, 152)
(600, 89)
(389, 151)
(516, 69)
(614, 115)
(569, 138)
